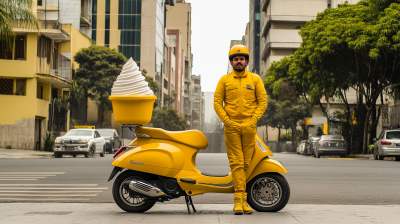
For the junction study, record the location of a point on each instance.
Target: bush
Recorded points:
(286, 137)
(48, 142)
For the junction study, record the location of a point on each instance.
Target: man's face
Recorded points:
(239, 63)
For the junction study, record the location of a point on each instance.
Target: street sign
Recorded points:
(89, 127)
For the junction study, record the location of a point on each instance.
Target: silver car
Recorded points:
(387, 145)
(331, 145)
(80, 141)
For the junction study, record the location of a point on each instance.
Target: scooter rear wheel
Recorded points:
(126, 201)
(268, 192)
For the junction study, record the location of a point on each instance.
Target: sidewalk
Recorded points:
(23, 154)
(361, 156)
(60, 213)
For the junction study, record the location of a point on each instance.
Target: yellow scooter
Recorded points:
(160, 166)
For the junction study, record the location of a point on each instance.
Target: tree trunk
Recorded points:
(365, 143)
(100, 117)
(372, 131)
(279, 135)
(294, 138)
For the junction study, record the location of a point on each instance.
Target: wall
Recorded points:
(297, 7)
(148, 38)
(70, 12)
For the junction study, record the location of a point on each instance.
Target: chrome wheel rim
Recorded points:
(136, 200)
(266, 192)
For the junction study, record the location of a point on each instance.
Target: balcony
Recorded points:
(41, 108)
(264, 5)
(281, 39)
(86, 20)
(48, 5)
(59, 73)
(53, 30)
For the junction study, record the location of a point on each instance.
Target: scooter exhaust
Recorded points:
(145, 188)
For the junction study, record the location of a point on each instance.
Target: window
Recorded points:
(94, 21)
(257, 16)
(165, 84)
(94, 36)
(196, 97)
(39, 3)
(197, 81)
(107, 37)
(196, 90)
(107, 25)
(393, 135)
(94, 7)
(5, 53)
(20, 87)
(20, 42)
(6, 86)
(196, 105)
(107, 6)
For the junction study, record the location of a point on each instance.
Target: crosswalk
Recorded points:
(26, 186)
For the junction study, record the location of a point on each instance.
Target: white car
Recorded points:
(80, 141)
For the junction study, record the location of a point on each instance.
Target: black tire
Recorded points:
(104, 151)
(271, 180)
(120, 200)
(378, 157)
(74, 155)
(57, 155)
(90, 154)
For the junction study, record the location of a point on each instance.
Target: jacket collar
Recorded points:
(244, 74)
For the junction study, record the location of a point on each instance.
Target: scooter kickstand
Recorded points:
(187, 203)
(191, 202)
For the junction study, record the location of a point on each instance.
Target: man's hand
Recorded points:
(229, 123)
(250, 123)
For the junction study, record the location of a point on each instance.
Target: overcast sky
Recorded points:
(214, 24)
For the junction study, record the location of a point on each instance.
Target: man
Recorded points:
(240, 100)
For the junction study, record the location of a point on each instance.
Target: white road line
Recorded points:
(24, 175)
(21, 177)
(49, 188)
(32, 173)
(49, 185)
(18, 179)
(51, 195)
(50, 192)
(41, 199)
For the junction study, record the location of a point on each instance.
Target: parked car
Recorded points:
(331, 145)
(387, 145)
(80, 141)
(301, 146)
(113, 141)
(311, 145)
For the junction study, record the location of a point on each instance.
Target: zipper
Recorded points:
(240, 98)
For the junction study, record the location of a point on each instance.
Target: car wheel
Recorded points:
(268, 192)
(74, 155)
(57, 155)
(379, 157)
(104, 151)
(90, 154)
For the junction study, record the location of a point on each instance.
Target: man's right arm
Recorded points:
(219, 97)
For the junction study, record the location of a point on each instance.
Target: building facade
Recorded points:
(254, 36)
(198, 101)
(179, 17)
(39, 70)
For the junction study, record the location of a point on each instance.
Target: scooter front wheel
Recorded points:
(268, 192)
(126, 199)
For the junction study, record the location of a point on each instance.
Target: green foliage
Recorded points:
(76, 122)
(195, 115)
(152, 84)
(19, 11)
(48, 142)
(288, 136)
(169, 99)
(98, 69)
(320, 132)
(168, 119)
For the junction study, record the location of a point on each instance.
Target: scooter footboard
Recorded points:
(267, 165)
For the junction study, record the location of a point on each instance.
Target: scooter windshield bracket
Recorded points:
(132, 128)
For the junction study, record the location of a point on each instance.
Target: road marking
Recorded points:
(51, 195)
(49, 188)
(42, 199)
(52, 185)
(50, 191)
(32, 173)
(18, 179)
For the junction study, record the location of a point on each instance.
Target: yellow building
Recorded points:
(38, 70)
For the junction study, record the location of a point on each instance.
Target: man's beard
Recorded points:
(239, 70)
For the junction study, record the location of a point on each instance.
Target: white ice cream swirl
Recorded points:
(131, 81)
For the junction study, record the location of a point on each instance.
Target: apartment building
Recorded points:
(179, 17)
(254, 36)
(198, 104)
(38, 70)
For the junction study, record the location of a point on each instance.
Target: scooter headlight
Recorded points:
(261, 146)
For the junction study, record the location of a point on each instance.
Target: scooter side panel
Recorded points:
(267, 165)
(156, 158)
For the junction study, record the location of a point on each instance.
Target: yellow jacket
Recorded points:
(244, 97)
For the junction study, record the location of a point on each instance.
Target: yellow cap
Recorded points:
(239, 50)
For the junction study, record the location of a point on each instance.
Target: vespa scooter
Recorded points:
(160, 166)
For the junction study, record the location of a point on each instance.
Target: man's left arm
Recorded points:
(261, 96)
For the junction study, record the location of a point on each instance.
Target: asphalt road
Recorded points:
(312, 181)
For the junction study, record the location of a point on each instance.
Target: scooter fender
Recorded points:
(155, 158)
(267, 165)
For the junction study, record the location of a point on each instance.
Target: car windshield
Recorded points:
(332, 138)
(393, 135)
(106, 133)
(79, 133)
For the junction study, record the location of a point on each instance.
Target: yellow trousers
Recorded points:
(240, 145)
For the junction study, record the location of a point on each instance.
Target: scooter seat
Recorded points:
(191, 138)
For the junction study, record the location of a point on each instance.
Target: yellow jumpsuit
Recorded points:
(239, 101)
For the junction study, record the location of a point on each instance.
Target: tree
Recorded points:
(168, 119)
(152, 85)
(11, 11)
(271, 117)
(169, 99)
(319, 131)
(99, 67)
(353, 46)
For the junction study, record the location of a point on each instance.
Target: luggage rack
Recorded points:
(132, 128)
